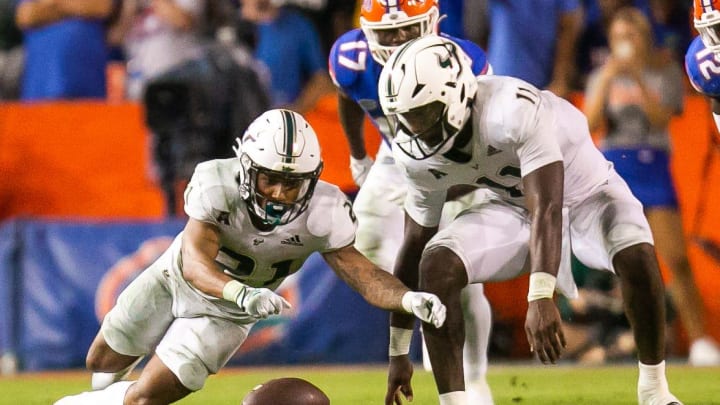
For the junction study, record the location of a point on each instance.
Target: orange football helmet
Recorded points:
(707, 23)
(379, 15)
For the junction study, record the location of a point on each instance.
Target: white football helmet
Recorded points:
(427, 86)
(707, 22)
(280, 144)
(382, 15)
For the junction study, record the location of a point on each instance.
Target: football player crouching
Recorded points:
(196, 304)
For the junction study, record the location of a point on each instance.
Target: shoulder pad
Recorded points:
(703, 68)
(216, 181)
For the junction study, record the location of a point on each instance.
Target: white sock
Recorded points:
(478, 392)
(478, 323)
(652, 375)
(453, 398)
(103, 380)
(112, 395)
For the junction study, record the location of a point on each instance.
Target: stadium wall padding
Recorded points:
(59, 278)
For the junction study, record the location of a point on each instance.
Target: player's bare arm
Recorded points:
(352, 119)
(381, 289)
(378, 287)
(200, 246)
(543, 189)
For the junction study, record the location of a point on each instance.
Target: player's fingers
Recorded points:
(557, 346)
(530, 340)
(561, 336)
(407, 391)
(540, 350)
(552, 346)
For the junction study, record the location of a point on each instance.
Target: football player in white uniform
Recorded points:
(553, 192)
(253, 220)
(378, 205)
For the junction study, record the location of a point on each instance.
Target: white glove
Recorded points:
(360, 168)
(427, 307)
(260, 303)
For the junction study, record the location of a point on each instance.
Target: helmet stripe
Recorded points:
(392, 6)
(289, 124)
(707, 5)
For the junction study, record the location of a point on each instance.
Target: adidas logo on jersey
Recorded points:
(437, 173)
(294, 240)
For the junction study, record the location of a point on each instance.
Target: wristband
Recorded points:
(232, 290)
(400, 339)
(406, 302)
(542, 285)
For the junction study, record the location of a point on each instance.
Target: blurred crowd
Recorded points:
(57, 49)
(205, 68)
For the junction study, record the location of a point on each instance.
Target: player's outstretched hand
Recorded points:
(544, 330)
(427, 307)
(260, 303)
(359, 169)
(399, 377)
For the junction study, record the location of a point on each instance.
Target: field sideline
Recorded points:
(511, 384)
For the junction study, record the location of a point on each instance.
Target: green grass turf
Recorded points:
(511, 384)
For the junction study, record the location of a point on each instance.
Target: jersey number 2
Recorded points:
(246, 265)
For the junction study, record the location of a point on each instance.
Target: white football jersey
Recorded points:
(254, 257)
(516, 129)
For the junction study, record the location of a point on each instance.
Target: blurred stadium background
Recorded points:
(80, 217)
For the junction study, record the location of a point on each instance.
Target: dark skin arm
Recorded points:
(352, 119)
(378, 287)
(543, 190)
(200, 246)
(406, 269)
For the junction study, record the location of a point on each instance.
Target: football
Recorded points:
(286, 391)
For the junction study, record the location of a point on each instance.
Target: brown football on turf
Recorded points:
(286, 391)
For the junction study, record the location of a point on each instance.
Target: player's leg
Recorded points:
(132, 328)
(610, 231)
(191, 350)
(378, 207)
(108, 366)
(445, 344)
(476, 312)
(644, 299)
(478, 324)
(671, 247)
(486, 243)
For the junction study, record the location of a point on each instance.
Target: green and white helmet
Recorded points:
(282, 144)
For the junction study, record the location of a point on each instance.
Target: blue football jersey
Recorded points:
(356, 73)
(703, 68)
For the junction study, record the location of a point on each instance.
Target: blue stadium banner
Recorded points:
(57, 279)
